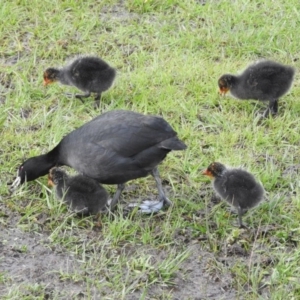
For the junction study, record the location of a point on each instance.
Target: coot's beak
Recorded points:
(46, 82)
(15, 184)
(207, 173)
(223, 91)
(50, 182)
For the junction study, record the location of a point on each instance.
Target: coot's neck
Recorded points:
(220, 173)
(234, 80)
(38, 166)
(44, 164)
(64, 76)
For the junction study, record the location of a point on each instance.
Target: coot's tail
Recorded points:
(173, 143)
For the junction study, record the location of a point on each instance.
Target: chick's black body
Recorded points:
(113, 148)
(84, 195)
(238, 187)
(89, 74)
(264, 81)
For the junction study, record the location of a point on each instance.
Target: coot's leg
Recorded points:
(266, 113)
(98, 222)
(97, 100)
(117, 195)
(82, 96)
(272, 108)
(150, 206)
(162, 196)
(240, 213)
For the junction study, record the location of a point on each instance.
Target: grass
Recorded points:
(169, 55)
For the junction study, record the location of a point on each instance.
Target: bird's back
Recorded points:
(113, 144)
(91, 74)
(83, 184)
(266, 80)
(85, 195)
(239, 187)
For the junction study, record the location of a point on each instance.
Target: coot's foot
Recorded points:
(148, 207)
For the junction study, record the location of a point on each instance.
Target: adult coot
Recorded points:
(238, 187)
(265, 81)
(113, 148)
(83, 194)
(88, 73)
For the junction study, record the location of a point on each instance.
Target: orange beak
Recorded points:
(50, 182)
(223, 91)
(208, 173)
(47, 81)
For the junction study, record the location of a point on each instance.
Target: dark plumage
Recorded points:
(83, 194)
(88, 73)
(113, 148)
(238, 187)
(264, 81)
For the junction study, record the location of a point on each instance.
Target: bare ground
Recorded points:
(30, 259)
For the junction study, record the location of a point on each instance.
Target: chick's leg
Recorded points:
(240, 212)
(272, 108)
(82, 96)
(97, 100)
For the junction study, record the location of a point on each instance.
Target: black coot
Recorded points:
(84, 195)
(113, 148)
(238, 187)
(265, 81)
(88, 73)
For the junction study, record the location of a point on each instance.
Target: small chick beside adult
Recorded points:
(264, 81)
(89, 74)
(84, 195)
(238, 187)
